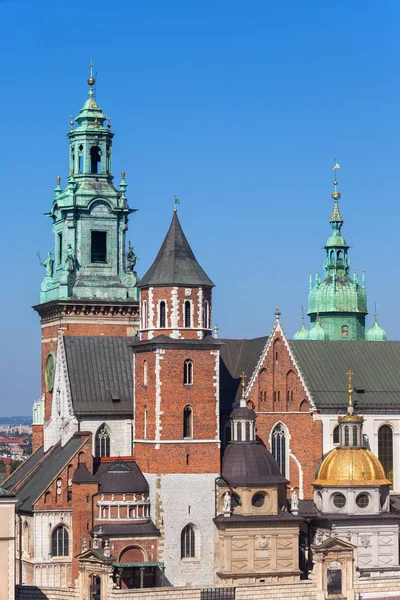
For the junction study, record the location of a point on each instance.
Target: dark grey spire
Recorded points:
(175, 264)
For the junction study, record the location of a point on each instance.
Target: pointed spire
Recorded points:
(302, 333)
(175, 263)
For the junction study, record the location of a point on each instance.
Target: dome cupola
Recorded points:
(376, 333)
(302, 333)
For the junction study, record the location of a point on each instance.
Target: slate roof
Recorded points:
(175, 263)
(100, 370)
(133, 529)
(121, 476)
(250, 463)
(375, 366)
(30, 463)
(237, 356)
(40, 477)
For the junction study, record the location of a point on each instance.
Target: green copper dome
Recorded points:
(340, 302)
(317, 333)
(302, 333)
(376, 333)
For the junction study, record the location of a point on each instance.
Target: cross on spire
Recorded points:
(277, 314)
(350, 390)
(243, 378)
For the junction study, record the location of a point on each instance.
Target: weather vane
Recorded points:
(335, 195)
(176, 202)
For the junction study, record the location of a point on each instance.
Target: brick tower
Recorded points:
(90, 284)
(176, 407)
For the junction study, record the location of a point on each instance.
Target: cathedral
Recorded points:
(166, 456)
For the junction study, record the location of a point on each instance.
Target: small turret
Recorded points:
(376, 333)
(302, 333)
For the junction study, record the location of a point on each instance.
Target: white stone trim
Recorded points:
(184, 441)
(301, 477)
(216, 385)
(159, 356)
(288, 437)
(150, 318)
(175, 313)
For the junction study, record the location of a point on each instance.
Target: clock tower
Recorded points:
(90, 282)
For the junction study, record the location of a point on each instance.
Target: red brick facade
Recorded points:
(278, 396)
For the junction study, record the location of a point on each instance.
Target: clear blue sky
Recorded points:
(237, 107)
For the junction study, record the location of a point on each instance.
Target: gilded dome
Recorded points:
(351, 467)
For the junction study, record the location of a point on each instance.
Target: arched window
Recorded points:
(332, 254)
(188, 542)
(95, 158)
(385, 449)
(277, 347)
(102, 441)
(145, 423)
(162, 314)
(303, 406)
(145, 372)
(187, 422)
(355, 440)
(188, 372)
(144, 314)
(247, 428)
(336, 437)
(188, 314)
(60, 541)
(345, 330)
(290, 384)
(279, 447)
(206, 315)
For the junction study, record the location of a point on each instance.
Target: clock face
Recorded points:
(49, 372)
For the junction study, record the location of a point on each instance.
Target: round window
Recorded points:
(362, 500)
(258, 500)
(339, 500)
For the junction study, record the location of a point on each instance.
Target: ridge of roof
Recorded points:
(175, 263)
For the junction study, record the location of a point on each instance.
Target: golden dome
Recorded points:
(351, 467)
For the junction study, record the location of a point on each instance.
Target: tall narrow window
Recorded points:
(145, 372)
(187, 422)
(108, 159)
(60, 541)
(188, 542)
(346, 436)
(60, 248)
(188, 315)
(279, 447)
(162, 314)
(355, 436)
(99, 247)
(385, 449)
(188, 372)
(144, 314)
(95, 158)
(102, 441)
(80, 163)
(206, 315)
(145, 423)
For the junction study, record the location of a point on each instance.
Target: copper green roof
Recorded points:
(376, 333)
(175, 263)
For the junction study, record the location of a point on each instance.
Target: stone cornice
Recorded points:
(63, 308)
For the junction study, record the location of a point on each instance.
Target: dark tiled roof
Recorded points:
(166, 340)
(41, 477)
(6, 494)
(83, 475)
(175, 263)
(22, 471)
(250, 463)
(281, 517)
(121, 476)
(100, 374)
(237, 356)
(376, 368)
(132, 529)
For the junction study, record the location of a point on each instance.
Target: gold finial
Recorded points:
(243, 378)
(109, 123)
(71, 171)
(176, 202)
(335, 195)
(123, 174)
(58, 180)
(91, 81)
(71, 121)
(350, 390)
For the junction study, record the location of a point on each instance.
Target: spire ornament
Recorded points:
(91, 80)
(350, 408)
(243, 384)
(176, 202)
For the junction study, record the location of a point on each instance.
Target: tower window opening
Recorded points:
(60, 542)
(355, 435)
(206, 315)
(162, 313)
(239, 431)
(144, 314)
(346, 436)
(102, 442)
(99, 247)
(95, 158)
(345, 330)
(80, 163)
(188, 314)
(336, 437)
(188, 372)
(188, 422)
(108, 159)
(340, 255)
(332, 254)
(145, 372)
(385, 449)
(145, 423)
(60, 248)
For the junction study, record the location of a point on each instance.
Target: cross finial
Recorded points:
(243, 378)
(91, 69)
(350, 390)
(277, 314)
(176, 202)
(335, 195)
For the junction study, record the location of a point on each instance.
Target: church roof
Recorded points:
(40, 477)
(121, 477)
(100, 374)
(175, 263)
(376, 373)
(22, 471)
(250, 464)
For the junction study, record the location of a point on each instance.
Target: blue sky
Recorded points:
(236, 107)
